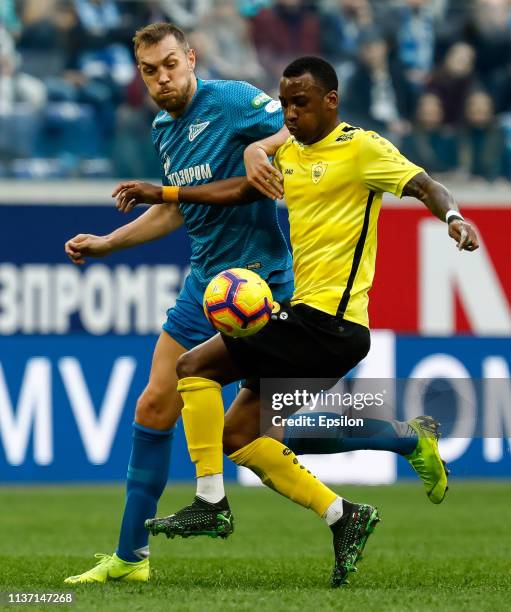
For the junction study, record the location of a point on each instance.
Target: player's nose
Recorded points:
(290, 114)
(163, 77)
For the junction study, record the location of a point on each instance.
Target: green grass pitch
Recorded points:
(455, 556)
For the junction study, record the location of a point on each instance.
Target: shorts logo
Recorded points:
(260, 100)
(283, 316)
(196, 129)
(318, 171)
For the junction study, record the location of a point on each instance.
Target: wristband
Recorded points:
(452, 215)
(170, 194)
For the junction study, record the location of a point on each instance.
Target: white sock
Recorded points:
(211, 488)
(334, 511)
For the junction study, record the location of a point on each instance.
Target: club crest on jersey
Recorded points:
(318, 171)
(196, 129)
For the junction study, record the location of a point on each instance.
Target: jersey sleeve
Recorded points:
(253, 113)
(383, 167)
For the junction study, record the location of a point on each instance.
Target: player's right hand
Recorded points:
(87, 245)
(128, 195)
(261, 174)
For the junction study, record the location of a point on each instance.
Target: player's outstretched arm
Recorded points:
(261, 174)
(127, 195)
(155, 223)
(234, 191)
(441, 202)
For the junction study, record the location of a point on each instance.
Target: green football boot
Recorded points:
(350, 533)
(110, 567)
(426, 460)
(200, 518)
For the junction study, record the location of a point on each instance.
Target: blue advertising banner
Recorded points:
(67, 404)
(468, 388)
(42, 292)
(76, 345)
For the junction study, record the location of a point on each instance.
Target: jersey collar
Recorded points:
(327, 139)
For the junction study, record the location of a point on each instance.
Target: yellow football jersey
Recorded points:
(333, 190)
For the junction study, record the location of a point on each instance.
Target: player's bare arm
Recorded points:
(155, 223)
(233, 191)
(236, 190)
(261, 174)
(439, 200)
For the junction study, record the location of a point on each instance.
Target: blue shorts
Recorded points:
(186, 322)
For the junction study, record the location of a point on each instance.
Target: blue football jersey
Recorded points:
(205, 144)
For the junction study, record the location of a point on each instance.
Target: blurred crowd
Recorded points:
(434, 76)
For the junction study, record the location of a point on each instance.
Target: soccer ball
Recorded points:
(238, 302)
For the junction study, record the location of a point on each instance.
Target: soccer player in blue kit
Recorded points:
(200, 135)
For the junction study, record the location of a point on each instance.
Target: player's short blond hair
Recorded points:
(153, 33)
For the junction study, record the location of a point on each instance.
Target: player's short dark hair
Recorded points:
(153, 33)
(321, 71)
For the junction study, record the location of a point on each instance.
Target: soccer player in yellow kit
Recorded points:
(333, 176)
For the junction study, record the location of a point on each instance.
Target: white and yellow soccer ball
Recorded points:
(238, 302)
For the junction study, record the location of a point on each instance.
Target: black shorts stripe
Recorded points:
(357, 256)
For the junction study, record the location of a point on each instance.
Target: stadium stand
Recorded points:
(431, 75)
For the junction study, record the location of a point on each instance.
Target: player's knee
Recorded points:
(188, 365)
(151, 409)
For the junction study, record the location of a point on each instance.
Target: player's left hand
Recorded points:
(261, 174)
(464, 234)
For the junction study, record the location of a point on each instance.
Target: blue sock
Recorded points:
(394, 436)
(146, 479)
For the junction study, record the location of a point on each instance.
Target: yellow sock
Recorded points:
(278, 468)
(203, 419)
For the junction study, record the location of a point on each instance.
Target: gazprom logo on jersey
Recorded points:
(186, 176)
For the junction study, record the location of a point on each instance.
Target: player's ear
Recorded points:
(190, 59)
(332, 100)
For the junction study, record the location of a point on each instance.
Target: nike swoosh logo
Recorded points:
(196, 129)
